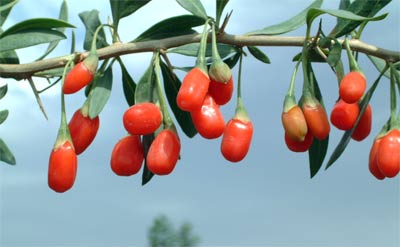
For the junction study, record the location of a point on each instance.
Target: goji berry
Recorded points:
(236, 139)
(299, 146)
(373, 161)
(344, 115)
(294, 123)
(142, 119)
(127, 156)
(221, 92)
(83, 130)
(352, 87)
(388, 156)
(363, 129)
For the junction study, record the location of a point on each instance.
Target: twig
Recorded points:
(36, 93)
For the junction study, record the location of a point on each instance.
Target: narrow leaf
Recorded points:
(174, 26)
(147, 175)
(220, 9)
(3, 116)
(9, 57)
(91, 21)
(171, 87)
(121, 9)
(128, 84)
(232, 61)
(379, 65)
(29, 38)
(33, 24)
(257, 53)
(334, 54)
(3, 91)
(101, 93)
(316, 155)
(6, 154)
(288, 25)
(143, 92)
(5, 9)
(195, 7)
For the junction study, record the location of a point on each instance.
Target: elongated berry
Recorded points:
(236, 139)
(62, 167)
(352, 87)
(299, 146)
(364, 126)
(80, 75)
(294, 123)
(193, 90)
(388, 156)
(127, 156)
(142, 119)
(163, 153)
(317, 120)
(373, 160)
(221, 92)
(344, 115)
(208, 120)
(83, 130)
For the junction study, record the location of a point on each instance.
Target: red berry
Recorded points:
(77, 78)
(236, 139)
(299, 146)
(344, 115)
(352, 87)
(62, 167)
(373, 161)
(163, 153)
(364, 125)
(193, 90)
(127, 156)
(317, 120)
(83, 130)
(142, 119)
(209, 120)
(294, 123)
(221, 92)
(388, 156)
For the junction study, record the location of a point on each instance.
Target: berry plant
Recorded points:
(161, 107)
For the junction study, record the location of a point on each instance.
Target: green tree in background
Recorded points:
(162, 234)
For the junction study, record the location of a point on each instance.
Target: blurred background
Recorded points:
(268, 199)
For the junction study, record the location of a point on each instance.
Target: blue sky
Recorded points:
(265, 200)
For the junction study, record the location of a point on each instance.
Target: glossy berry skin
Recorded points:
(221, 92)
(142, 119)
(127, 156)
(83, 130)
(299, 146)
(193, 90)
(163, 153)
(364, 126)
(373, 160)
(208, 120)
(77, 78)
(388, 156)
(344, 115)
(352, 87)
(62, 167)
(317, 121)
(236, 139)
(294, 123)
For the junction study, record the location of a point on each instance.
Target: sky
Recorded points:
(267, 199)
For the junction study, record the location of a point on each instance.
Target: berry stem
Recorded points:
(240, 111)
(352, 61)
(215, 54)
(201, 55)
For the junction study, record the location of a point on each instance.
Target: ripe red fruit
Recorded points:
(81, 74)
(299, 146)
(388, 156)
(193, 90)
(127, 156)
(352, 87)
(209, 120)
(221, 92)
(317, 120)
(83, 130)
(294, 123)
(373, 161)
(364, 125)
(163, 153)
(236, 139)
(344, 115)
(142, 119)
(62, 167)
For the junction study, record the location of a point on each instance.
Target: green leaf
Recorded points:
(344, 14)
(192, 50)
(344, 141)
(35, 24)
(344, 4)
(3, 91)
(144, 92)
(5, 8)
(313, 56)
(171, 87)
(6, 154)
(9, 57)
(257, 53)
(62, 16)
(288, 25)
(379, 65)
(121, 9)
(174, 26)
(232, 61)
(91, 21)
(101, 93)
(50, 73)
(29, 38)
(195, 7)
(316, 155)
(147, 175)
(3, 116)
(360, 7)
(220, 8)
(128, 84)
(335, 54)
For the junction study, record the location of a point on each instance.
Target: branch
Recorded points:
(23, 71)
